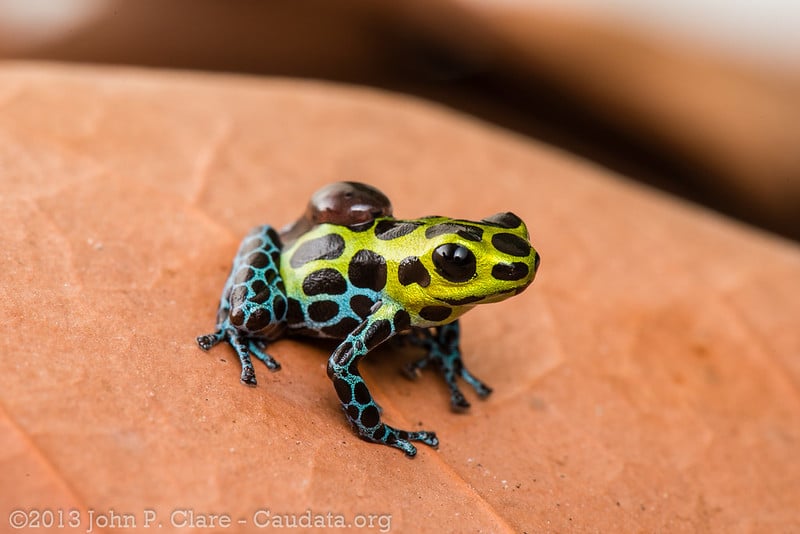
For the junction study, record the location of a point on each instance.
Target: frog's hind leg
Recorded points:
(443, 349)
(253, 306)
(208, 341)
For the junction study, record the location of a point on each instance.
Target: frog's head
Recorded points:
(476, 262)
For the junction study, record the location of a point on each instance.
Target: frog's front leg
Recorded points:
(252, 310)
(442, 345)
(357, 402)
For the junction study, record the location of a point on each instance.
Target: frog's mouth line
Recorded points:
(477, 299)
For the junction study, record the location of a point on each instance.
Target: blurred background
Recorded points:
(700, 98)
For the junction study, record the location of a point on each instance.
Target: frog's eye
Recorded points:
(454, 262)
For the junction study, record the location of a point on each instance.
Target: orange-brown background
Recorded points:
(649, 380)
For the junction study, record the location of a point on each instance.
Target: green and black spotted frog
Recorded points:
(349, 270)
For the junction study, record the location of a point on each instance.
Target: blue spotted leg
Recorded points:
(252, 310)
(357, 402)
(442, 345)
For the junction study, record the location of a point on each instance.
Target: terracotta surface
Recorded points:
(648, 381)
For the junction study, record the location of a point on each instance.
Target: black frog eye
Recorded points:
(454, 262)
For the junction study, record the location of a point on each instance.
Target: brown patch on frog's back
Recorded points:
(351, 204)
(347, 203)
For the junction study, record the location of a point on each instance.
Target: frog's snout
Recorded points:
(536, 259)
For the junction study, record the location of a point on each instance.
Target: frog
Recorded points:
(348, 270)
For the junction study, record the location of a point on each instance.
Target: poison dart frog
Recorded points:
(348, 270)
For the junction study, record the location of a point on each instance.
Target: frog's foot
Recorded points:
(364, 414)
(442, 346)
(258, 347)
(384, 434)
(207, 341)
(365, 420)
(452, 367)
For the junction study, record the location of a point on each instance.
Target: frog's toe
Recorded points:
(458, 403)
(259, 349)
(271, 363)
(480, 388)
(248, 377)
(401, 439)
(405, 446)
(483, 390)
(425, 436)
